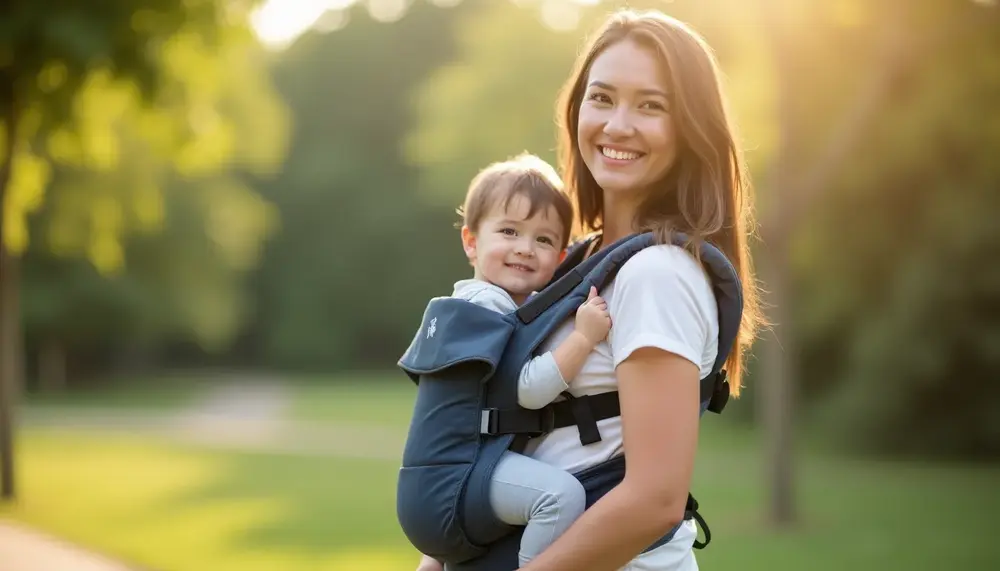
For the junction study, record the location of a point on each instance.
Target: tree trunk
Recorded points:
(793, 193)
(52, 365)
(778, 358)
(10, 360)
(10, 366)
(777, 398)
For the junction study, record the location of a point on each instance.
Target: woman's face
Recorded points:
(626, 136)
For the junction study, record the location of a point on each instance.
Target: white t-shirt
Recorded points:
(661, 298)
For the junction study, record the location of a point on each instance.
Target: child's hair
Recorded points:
(523, 175)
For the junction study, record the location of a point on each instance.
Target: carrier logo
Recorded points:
(432, 328)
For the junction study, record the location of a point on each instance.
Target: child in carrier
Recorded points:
(516, 225)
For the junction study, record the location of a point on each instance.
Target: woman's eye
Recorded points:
(599, 97)
(656, 105)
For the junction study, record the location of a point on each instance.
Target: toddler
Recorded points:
(516, 225)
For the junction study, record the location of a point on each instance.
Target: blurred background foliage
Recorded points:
(290, 209)
(267, 189)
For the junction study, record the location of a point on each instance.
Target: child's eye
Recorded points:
(545, 240)
(507, 231)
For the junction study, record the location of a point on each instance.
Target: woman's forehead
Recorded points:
(627, 65)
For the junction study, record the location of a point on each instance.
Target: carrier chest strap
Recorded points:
(497, 421)
(583, 412)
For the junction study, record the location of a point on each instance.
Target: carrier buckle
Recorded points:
(517, 421)
(488, 421)
(546, 420)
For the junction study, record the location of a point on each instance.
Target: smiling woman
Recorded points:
(626, 135)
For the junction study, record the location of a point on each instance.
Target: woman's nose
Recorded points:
(619, 124)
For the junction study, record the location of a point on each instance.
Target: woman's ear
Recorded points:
(469, 243)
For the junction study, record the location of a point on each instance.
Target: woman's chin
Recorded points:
(617, 183)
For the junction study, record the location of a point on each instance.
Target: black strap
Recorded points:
(560, 414)
(583, 412)
(719, 388)
(691, 512)
(548, 296)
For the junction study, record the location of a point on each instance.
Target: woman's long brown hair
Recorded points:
(706, 194)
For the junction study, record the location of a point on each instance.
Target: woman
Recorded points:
(647, 145)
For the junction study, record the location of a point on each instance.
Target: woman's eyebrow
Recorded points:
(646, 91)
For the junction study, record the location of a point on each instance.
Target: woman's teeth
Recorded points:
(619, 155)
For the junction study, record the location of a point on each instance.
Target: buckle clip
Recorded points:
(546, 420)
(488, 422)
(720, 394)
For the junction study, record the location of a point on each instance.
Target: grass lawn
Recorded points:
(373, 398)
(168, 392)
(173, 508)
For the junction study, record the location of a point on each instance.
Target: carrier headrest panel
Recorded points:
(456, 331)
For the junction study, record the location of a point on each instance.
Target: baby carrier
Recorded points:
(465, 360)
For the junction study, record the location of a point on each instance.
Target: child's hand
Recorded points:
(593, 319)
(428, 563)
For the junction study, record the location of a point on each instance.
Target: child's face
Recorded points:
(516, 253)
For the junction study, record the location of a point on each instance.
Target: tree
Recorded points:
(889, 40)
(360, 250)
(72, 80)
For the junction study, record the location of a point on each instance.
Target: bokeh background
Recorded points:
(222, 221)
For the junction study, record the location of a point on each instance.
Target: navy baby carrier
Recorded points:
(465, 360)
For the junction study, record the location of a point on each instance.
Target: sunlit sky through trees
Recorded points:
(279, 22)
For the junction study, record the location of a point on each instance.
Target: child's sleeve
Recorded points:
(540, 382)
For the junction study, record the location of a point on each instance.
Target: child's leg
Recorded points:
(543, 498)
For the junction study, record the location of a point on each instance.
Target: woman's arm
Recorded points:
(662, 308)
(659, 394)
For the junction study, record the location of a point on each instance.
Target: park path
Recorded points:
(249, 415)
(25, 549)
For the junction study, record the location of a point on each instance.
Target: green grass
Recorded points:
(373, 398)
(865, 515)
(168, 392)
(175, 508)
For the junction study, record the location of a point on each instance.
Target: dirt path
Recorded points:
(24, 549)
(246, 416)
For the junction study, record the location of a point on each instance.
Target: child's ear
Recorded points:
(469, 243)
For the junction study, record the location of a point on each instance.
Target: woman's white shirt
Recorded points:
(660, 298)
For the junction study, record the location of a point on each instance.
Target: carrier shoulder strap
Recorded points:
(575, 269)
(585, 411)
